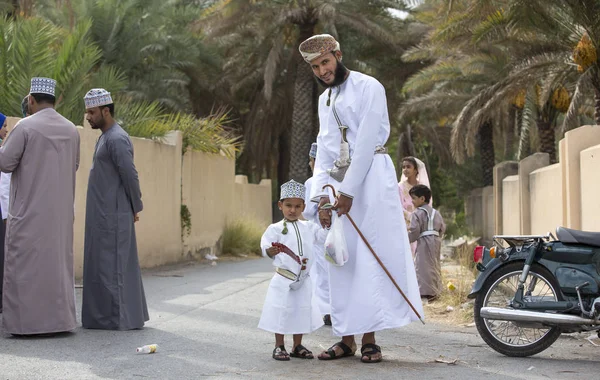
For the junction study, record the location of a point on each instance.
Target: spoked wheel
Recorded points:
(516, 338)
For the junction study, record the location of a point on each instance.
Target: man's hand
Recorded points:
(342, 205)
(136, 217)
(272, 251)
(324, 215)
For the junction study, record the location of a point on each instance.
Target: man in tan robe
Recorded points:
(42, 153)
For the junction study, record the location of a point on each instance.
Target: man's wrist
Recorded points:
(346, 195)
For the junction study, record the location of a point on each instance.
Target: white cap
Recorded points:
(97, 97)
(41, 85)
(292, 189)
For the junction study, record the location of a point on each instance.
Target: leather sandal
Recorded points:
(301, 352)
(369, 350)
(333, 355)
(279, 353)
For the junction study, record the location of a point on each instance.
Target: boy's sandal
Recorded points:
(279, 353)
(333, 355)
(368, 351)
(301, 352)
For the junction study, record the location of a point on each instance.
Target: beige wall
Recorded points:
(546, 199)
(511, 211)
(571, 146)
(205, 183)
(208, 188)
(246, 194)
(563, 194)
(590, 189)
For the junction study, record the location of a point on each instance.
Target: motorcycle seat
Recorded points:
(569, 236)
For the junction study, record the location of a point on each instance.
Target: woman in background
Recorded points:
(413, 173)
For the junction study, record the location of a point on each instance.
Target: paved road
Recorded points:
(204, 319)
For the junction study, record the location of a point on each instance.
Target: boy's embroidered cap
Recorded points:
(292, 189)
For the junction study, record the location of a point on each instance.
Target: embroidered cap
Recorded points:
(292, 189)
(41, 85)
(97, 97)
(313, 151)
(317, 46)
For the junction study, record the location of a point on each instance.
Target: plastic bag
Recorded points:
(336, 249)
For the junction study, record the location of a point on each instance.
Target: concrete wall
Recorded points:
(205, 183)
(487, 198)
(511, 210)
(526, 166)
(474, 212)
(546, 199)
(590, 189)
(571, 146)
(501, 171)
(542, 197)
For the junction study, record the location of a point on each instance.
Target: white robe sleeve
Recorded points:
(310, 212)
(320, 233)
(372, 113)
(4, 193)
(323, 161)
(271, 235)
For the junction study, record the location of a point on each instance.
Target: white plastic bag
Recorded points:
(336, 249)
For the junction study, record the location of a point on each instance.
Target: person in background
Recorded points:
(413, 173)
(113, 291)
(42, 152)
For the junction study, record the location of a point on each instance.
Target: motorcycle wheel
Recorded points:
(499, 289)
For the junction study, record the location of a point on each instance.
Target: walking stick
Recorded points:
(364, 239)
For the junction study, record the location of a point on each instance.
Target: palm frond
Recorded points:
(579, 96)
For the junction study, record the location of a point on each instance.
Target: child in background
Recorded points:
(426, 228)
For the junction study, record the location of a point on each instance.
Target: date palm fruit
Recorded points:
(519, 101)
(561, 99)
(584, 54)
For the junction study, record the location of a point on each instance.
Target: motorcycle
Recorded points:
(533, 288)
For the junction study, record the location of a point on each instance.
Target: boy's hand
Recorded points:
(324, 215)
(272, 251)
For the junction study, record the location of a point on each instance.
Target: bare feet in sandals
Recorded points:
(301, 352)
(337, 351)
(371, 353)
(279, 353)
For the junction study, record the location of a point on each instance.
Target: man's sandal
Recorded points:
(301, 352)
(279, 353)
(333, 355)
(369, 350)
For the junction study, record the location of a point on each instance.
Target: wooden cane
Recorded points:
(364, 239)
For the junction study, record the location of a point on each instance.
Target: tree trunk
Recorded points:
(486, 146)
(597, 105)
(302, 117)
(596, 86)
(510, 133)
(547, 138)
(16, 9)
(405, 147)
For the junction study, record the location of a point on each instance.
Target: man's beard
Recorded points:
(101, 123)
(339, 76)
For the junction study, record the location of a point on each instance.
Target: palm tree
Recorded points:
(152, 42)
(277, 28)
(34, 47)
(461, 70)
(489, 57)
